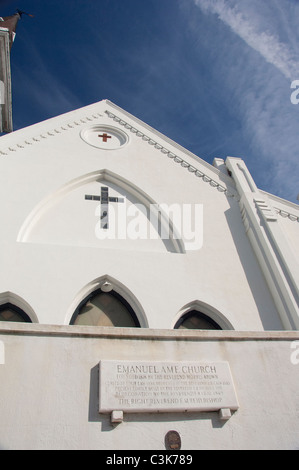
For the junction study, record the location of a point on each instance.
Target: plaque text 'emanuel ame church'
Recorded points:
(134, 386)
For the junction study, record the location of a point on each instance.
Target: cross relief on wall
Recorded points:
(104, 198)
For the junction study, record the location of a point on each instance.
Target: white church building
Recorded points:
(148, 299)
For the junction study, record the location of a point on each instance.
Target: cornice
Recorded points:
(229, 192)
(48, 134)
(285, 214)
(117, 333)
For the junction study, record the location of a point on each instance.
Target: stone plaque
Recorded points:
(135, 386)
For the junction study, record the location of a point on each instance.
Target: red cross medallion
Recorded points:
(105, 137)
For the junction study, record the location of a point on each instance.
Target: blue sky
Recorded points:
(213, 75)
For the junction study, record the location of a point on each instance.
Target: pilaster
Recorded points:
(5, 83)
(269, 244)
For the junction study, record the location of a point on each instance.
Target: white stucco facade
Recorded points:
(49, 385)
(237, 263)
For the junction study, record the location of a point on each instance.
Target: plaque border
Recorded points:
(108, 403)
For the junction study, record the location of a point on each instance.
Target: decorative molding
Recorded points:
(265, 210)
(177, 159)
(47, 134)
(151, 334)
(244, 215)
(285, 214)
(173, 156)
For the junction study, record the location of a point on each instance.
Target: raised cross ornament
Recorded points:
(105, 137)
(104, 198)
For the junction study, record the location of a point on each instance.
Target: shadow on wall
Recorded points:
(256, 281)
(95, 416)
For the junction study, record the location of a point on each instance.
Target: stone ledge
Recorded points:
(31, 329)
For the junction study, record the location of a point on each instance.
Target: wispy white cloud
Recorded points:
(45, 86)
(261, 94)
(247, 27)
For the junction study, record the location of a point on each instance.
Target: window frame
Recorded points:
(17, 310)
(202, 315)
(114, 294)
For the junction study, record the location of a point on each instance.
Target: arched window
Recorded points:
(105, 309)
(194, 320)
(9, 312)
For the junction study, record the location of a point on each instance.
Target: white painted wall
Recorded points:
(49, 389)
(51, 253)
(243, 276)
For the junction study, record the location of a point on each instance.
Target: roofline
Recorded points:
(221, 176)
(159, 134)
(280, 200)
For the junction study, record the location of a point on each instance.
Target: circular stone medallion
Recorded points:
(104, 137)
(173, 441)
